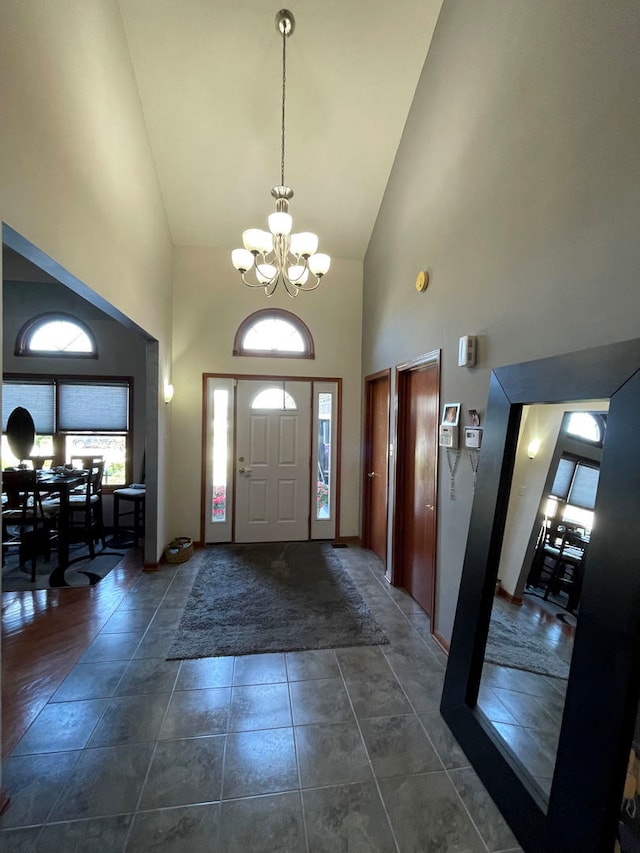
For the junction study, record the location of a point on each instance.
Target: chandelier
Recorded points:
(277, 255)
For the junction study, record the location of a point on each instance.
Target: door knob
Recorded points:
(429, 506)
(371, 474)
(244, 470)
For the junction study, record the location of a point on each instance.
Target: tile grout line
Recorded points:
(364, 744)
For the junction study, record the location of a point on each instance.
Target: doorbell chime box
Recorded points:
(473, 437)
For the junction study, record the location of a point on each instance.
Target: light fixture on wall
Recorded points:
(533, 447)
(168, 392)
(277, 254)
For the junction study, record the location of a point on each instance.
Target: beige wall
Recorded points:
(517, 186)
(210, 302)
(76, 175)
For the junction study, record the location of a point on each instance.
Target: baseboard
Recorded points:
(440, 640)
(512, 599)
(4, 801)
(151, 567)
(348, 540)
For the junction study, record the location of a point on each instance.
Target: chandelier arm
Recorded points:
(307, 287)
(270, 286)
(292, 289)
(243, 276)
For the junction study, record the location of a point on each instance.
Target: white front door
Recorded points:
(273, 452)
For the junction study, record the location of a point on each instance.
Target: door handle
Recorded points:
(371, 474)
(429, 506)
(244, 470)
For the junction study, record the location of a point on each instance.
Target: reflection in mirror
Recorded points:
(548, 527)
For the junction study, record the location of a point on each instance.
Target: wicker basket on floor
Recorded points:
(179, 550)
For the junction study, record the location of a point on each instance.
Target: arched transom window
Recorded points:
(273, 333)
(56, 334)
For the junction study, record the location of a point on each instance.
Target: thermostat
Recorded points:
(467, 351)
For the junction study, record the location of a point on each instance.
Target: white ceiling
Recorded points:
(209, 77)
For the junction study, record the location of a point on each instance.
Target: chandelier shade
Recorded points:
(277, 255)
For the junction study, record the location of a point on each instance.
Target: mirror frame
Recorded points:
(603, 687)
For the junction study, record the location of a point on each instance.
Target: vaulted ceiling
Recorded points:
(209, 77)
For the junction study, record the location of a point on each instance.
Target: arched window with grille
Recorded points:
(273, 333)
(56, 335)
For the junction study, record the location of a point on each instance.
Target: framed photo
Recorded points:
(474, 418)
(451, 413)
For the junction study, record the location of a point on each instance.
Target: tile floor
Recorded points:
(526, 707)
(331, 750)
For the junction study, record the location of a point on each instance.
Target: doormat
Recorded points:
(509, 643)
(278, 597)
(82, 572)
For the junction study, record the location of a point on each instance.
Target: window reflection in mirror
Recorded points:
(546, 539)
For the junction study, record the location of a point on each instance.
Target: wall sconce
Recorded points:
(168, 392)
(533, 448)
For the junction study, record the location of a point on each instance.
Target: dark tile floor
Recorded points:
(526, 707)
(331, 750)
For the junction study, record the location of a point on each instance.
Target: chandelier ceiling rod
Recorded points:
(277, 255)
(286, 28)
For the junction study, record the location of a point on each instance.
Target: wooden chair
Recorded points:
(567, 574)
(41, 463)
(85, 509)
(85, 461)
(134, 495)
(25, 524)
(85, 522)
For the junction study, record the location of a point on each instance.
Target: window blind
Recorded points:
(36, 398)
(562, 480)
(103, 408)
(584, 486)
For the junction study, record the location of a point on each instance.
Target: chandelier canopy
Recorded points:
(277, 255)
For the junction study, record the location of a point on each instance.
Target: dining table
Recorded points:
(52, 482)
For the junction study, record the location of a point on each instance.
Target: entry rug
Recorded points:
(82, 572)
(511, 644)
(282, 597)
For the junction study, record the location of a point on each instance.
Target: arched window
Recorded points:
(587, 426)
(273, 333)
(56, 334)
(273, 398)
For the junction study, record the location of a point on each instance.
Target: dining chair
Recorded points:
(568, 571)
(133, 496)
(26, 524)
(85, 461)
(41, 463)
(86, 520)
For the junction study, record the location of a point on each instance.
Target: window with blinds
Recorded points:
(576, 482)
(75, 417)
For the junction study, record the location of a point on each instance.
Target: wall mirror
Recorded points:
(548, 526)
(575, 805)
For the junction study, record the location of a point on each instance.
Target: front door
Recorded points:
(273, 452)
(418, 386)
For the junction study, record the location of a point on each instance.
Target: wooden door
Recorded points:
(272, 485)
(376, 464)
(418, 386)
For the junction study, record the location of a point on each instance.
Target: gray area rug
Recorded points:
(509, 644)
(282, 597)
(83, 571)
